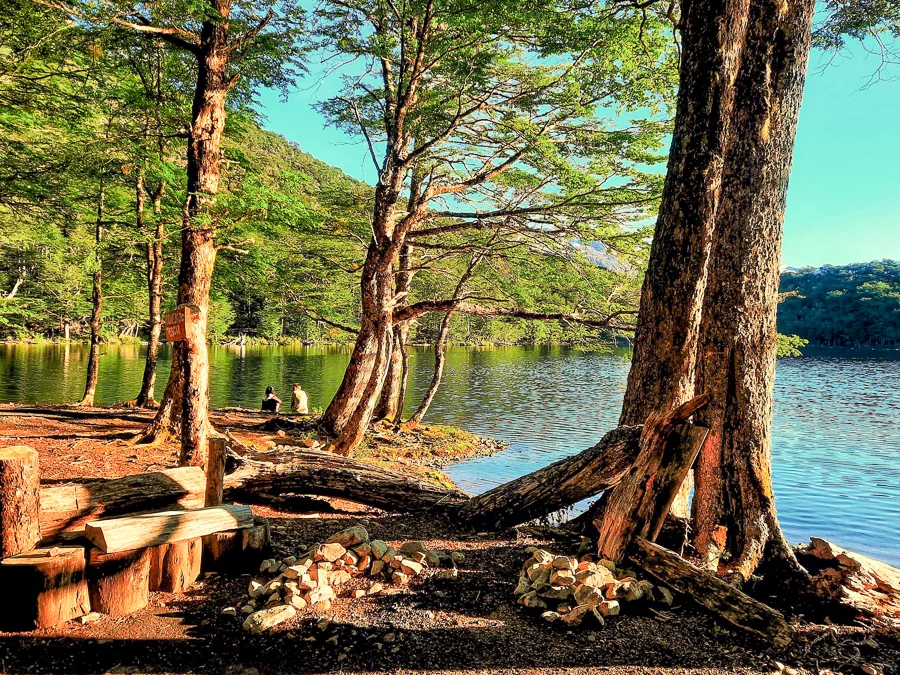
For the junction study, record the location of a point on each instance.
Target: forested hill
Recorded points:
(855, 305)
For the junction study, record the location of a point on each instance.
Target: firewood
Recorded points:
(20, 480)
(710, 592)
(239, 550)
(557, 486)
(174, 567)
(638, 505)
(43, 588)
(153, 529)
(119, 582)
(68, 507)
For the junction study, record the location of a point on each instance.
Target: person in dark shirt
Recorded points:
(271, 403)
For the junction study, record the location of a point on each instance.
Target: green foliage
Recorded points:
(790, 345)
(847, 306)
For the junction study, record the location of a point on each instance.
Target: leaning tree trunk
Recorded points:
(146, 398)
(93, 367)
(662, 370)
(185, 403)
(733, 502)
(393, 392)
(440, 353)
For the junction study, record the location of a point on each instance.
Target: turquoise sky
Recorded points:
(844, 196)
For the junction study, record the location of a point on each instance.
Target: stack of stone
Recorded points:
(570, 589)
(309, 579)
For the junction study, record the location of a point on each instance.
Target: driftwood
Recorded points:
(557, 486)
(69, 507)
(638, 505)
(867, 588)
(314, 472)
(19, 515)
(710, 592)
(43, 588)
(119, 583)
(174, 567)
(153, 529)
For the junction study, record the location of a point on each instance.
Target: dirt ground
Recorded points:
(467, 625)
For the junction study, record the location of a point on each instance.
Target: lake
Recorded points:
(836, 454)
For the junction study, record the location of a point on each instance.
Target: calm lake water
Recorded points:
(836, 455)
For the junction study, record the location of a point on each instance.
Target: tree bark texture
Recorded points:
(557, 486)
(737, 337)
(20, 479)
(393, 392)
(93, 366)
(119, 583)
(146, 398)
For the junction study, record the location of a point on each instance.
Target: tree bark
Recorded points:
(146, 397)
(557, 486)
(20, 479)
(662, 369)
(93, 366)
(119, 583)
(440, 350)
(189, 405)
(737, 337)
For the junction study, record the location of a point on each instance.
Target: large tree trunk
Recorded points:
(737, 338)
(190, 362)
(146, 398)
(662, 370)
(393, 392)
(93, 366)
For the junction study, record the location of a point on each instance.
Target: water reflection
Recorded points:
(836, 454)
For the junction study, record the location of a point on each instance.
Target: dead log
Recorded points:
(20, 480)
(237, 551)
(153, 529)
(174, 567)
(119, 583)
(557, 486)
(43, 588)
(69, 507)
(710, 592)
(313, 472)
(638, 505)
(867, 588)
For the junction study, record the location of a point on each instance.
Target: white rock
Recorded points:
(268, 618)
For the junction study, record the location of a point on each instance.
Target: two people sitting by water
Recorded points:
(299, 401)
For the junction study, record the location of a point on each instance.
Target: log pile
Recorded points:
(110, 565)
(313, 578)
(866, 588)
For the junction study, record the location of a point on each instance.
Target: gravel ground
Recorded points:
(467, 625)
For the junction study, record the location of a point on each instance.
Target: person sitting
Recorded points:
(271, 403)
(299, 401)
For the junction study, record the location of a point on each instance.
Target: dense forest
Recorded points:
(854, 305)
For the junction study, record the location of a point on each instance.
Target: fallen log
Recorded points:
(19, 512)
(866, 588)
(153, 529)
(313, 472)
(638, 505)
(710, 592)
(43, 588)
(119, 583)
(68, 507)
(557, 486)
(174, 567)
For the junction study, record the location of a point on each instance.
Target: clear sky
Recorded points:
(844, 195)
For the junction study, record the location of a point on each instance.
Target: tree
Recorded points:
(737, 344)
(500, 116)
(228, 41)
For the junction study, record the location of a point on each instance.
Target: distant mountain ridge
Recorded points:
(855, 305)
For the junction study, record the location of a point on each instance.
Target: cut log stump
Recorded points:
(637, 506)
(66, 508)
(20, 480)
(153, 529)
(119, 583)
(238, 551)
(174, 567)
(558, 485)
(215, 471)
(710, 592)
(43, 588)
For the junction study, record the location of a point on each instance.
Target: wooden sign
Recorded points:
(179, 323)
